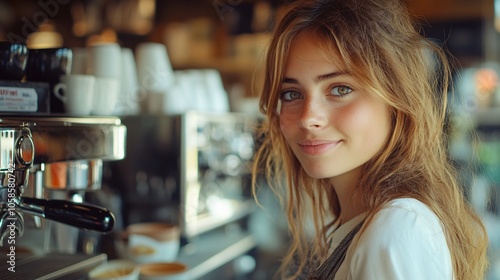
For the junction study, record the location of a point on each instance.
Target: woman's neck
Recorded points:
(350, 204)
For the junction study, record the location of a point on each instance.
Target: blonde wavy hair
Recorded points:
(380, 45)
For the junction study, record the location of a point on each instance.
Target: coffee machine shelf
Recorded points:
(207, 222)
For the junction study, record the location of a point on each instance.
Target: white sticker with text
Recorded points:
(13, 99)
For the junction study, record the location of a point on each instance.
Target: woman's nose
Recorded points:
(314, 114)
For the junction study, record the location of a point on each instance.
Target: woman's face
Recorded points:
(332, 125)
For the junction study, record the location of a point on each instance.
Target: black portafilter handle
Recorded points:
(81, 215)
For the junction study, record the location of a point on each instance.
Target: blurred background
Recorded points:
(229, 37)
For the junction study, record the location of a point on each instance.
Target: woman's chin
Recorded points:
(318, 174)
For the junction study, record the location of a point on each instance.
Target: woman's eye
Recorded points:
(290, 95)
(340, 90)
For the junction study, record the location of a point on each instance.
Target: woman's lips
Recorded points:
(317, 147)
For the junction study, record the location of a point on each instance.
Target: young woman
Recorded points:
(355, 101)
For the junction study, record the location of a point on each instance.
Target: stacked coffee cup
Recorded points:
(93, 85)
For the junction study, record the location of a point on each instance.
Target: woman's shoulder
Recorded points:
(404, 219)
(407, 203)
(405, 214)
(402, 238)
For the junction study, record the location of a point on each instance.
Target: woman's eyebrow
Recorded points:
(329, 76)
(319, 78)
(289, 81)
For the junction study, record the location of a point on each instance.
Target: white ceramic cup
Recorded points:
(154, 70)
(104, 60)
(151, 242)
(176, 99)
(115, 269)
(164, 271)
(76, 92)
(199, 92)
(106, 94)
(217, 94)
(128, 101)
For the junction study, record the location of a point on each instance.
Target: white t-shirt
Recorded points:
(405, 240)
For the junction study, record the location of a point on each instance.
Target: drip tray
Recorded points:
(49, 266)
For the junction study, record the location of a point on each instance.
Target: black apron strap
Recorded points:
(329, 268)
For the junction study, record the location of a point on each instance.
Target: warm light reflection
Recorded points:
(486, 80)
(146, 8)
(80, 25)
(107, 36)
(486, 83)
(45, 37)
(140, 20)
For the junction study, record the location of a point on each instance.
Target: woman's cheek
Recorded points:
(285, 121)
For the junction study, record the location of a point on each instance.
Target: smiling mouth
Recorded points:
(317, 147)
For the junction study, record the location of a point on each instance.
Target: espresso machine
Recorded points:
(193, 170)
(47, 164)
